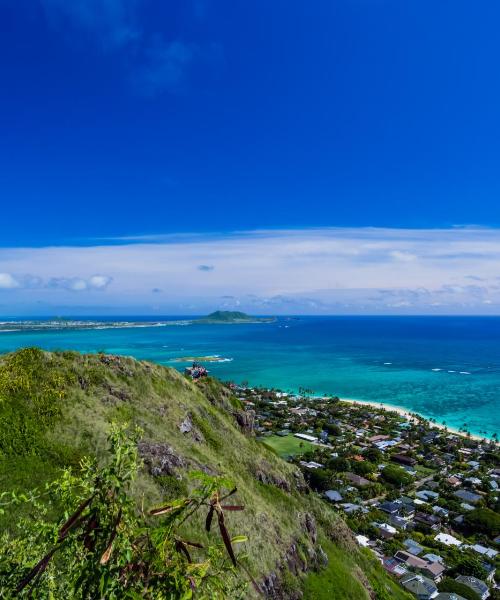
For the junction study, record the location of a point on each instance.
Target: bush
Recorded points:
(363, 468)
(102, 547)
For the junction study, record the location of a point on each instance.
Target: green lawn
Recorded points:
(287, 446)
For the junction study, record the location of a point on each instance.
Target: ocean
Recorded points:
(445, 368)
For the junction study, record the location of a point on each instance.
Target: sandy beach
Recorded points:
(410, 417)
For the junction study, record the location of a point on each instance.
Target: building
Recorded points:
(420, 586)
(306, 437)
(404, 459)
(476, 585)
(357, 480)
(448, 540)
(333, 496)
(467, 496)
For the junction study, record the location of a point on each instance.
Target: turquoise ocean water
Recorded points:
(447, 368)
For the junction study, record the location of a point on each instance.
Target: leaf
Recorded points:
(239, 539)
(232, 507)
(37, 570)
(63, 532)
(233, 491)
(208, 522)
(109, 549)
(225, 537)
(163, 510)
(181, 547)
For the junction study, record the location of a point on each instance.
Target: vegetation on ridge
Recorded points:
(56, 412)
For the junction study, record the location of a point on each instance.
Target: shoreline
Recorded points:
(408, 415)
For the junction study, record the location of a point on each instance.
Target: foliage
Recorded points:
(30, 401)
(471, 566)
(103, 547)
(396, 475)
(451, 586)
(484, 520)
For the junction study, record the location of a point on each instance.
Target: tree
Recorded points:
(339, 465)
(319, 479)
(395, 475)
(363, 468)
(373, 455)
(484, 520)
(471, 566)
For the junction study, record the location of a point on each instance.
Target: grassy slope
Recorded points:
(56, 407)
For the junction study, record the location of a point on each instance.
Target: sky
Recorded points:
(334, 157)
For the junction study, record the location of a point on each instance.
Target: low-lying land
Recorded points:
(423, 500)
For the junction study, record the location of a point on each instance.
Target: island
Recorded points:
(232, 317)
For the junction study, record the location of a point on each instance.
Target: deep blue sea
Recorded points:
(447, 368)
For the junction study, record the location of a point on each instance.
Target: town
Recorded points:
(424, 500)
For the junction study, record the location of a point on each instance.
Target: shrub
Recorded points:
(102, 547)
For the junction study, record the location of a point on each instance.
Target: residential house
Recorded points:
(333, 496)
(420, 586)
(476, 585)
(357, 480)
(413, 547)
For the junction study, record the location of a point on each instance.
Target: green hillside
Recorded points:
(56, 408)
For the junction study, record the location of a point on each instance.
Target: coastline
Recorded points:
(408, 415)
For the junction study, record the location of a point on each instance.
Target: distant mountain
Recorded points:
(233, 316)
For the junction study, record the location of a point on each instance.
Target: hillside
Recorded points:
(56, 408)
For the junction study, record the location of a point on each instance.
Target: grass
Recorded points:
(348, 576)
(287, 446)
(337, 580)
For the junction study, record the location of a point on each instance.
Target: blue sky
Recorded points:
(173, 125)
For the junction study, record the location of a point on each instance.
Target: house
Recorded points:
(420, 586)
(467, 496)
(393, 566)
(429, 521)
(357, 480)
(386, 531)
(307, 438)
(404, 459)
(427, 495)
(484, 551)
(453, 481)
(475, 584)
(448, 596)
(434, 571)
(430, 557)
(333, 496)
(350, 508)
(391, 508)
(410, 560)
(413, 547)
(447, 540)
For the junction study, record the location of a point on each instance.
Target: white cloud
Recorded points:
(309, 270)
(7, 281)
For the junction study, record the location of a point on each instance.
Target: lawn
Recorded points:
(287, 446)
